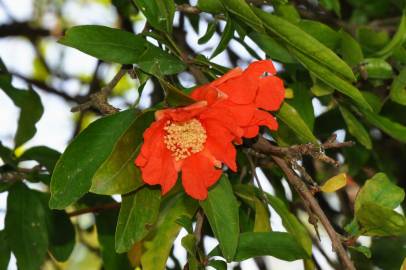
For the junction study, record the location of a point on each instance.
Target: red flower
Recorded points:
(246, 94)
(195, 140)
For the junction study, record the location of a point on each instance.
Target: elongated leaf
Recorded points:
(43, 155)
(398, 88)
(211, 29)
(5, 252)
(118, 174)
(280, 245)
(242, 11)
(135, 219)
(305, 43)
(381, 191)
(159, 13)
(332, 80)
(26, 227)
(211, 6)
(73, 172)
(227, 35)
(355, 128)
(334, 183)
(114, 45)
(163, 236)
(272, 48)
(375, 68)
(60, 244)
(31, 110)
(174, 96)
(293, 120)
(321, 32)
(350, 49)
(221, 209)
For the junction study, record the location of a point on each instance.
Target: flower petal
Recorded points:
(270, 94)
(241, 90)
(258, 68)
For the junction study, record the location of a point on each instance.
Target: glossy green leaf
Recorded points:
(280, 245)
(31, 110)
(294, 121)
(321, 32)
(174, 96)
(211, 29)
(166, 230)
(243, 12)
(289, 12)
(302, 102)
(5, 252)
(320, 89)
(272, 48)
(332, 80)
(114, 45)
(377, 220)
(362, 249)
(26, 227)
(371, 40)
(227, 35)
(159, 13)
(355, 128)
(43, 155)
(73, 173)
(135, 219)
(7, 155)
(380, 190)
(106, 226)
(305, 43)
(218, 264)
(60, 244)
(398, 88)
(350, 49)
(211, 6)
(221, 209)
(375, 68)
(118, 174)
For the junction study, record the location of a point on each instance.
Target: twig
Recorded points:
(199, 226)
(95, 209)
(98, 100)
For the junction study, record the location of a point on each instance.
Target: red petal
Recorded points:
(251, 131)
(258, 68)
(270, 94)
(242, 114)
(229, 75)
(263, 118)
(241, 90)
(198, 174)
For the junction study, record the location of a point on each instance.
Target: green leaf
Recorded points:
(377, 220)
(211, 29)
(60, 244)
(175, 96)
(241, 10)
(280, 245)
(114, 45)
(211, 6)
(221, 209)
(381, 191)
(163, 236)
(355, 128)
(106, 225)
(31, 110)
(294, 121)
(26, 227)
(7, 155)
(320, 89)
(321, 32)
(135, 219)
(332, 80)
(159, 13)
(189, 243)
(118, 174)
(4, 250)
(272, 48)
(362, 249)
(43, 155)
(397, 40)
(305, 43)
(73, 173)
(227, 35)
(218, 264)
(375, 68)
(397, 90)
(333, 5)
(350, 49)
(302, 102)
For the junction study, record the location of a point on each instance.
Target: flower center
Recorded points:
(185, 138)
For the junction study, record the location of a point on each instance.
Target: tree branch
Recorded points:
(95, 209)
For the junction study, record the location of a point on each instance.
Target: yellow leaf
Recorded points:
(334, 183)
(289, 93)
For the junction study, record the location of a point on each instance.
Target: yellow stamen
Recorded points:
(184, 138)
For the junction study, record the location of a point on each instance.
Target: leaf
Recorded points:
(321, 32)
(138, 214)
(73, 173)
(5, 252)
(350, 49)
(243, 12)
(118, 174)
(280, 245)
(294, 121)
(381, 191)
(333, 5)
(175, 96)
(159, 13)
(377, 220)
(320, 89)
(272, 48)
(221, 209)
(397, 90)
(43, 155)
(227, 35)
(31, 110)
(332, 80)
(7, 155)
(218, 264)
(163, 236)
(376, 68)
(302, 102)
(211, 6)
(106, 225)
(335, 183)
(305, 43)
(355, 128)
(114, 45)
(211, 29)
(397, 40)
(60, 244)
(26, 227)
(362, 249)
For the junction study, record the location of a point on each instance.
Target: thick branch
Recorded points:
(23, 29)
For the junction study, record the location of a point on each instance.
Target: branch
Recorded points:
(95, 209)
(23, 29)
